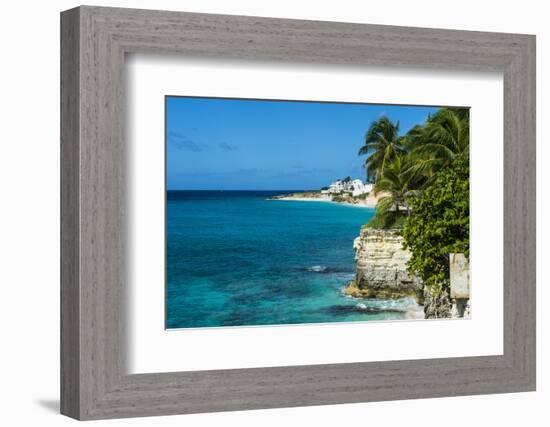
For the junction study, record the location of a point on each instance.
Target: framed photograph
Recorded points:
(261, 213)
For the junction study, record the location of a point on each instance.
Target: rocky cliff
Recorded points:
(381, 267)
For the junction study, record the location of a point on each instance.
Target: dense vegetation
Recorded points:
(423, 178)
(439, 224)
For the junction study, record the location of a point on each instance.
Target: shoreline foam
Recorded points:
(369, 202)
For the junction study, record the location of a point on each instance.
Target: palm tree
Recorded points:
(383, 143)
(401, 181)
(445, 136)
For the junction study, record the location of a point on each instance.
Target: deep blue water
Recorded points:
(235, 258)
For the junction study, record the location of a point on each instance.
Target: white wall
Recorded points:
(29, 225)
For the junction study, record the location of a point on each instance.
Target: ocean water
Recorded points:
(235, 258)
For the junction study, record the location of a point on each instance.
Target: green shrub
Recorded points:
(439, 224)
(387, 220)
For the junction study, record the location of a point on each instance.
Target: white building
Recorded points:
(368, 187)
(358, 188)
(348, 185)
(336, 187)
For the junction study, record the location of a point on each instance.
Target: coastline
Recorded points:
(307, 196)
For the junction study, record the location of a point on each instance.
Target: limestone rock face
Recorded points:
(381, 267)
(438, 306)
(451, 301)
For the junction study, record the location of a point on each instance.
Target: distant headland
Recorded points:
(346, 190)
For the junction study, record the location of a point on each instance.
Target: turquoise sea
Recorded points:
(235, 258)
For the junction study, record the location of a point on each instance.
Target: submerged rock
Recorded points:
(381, 267)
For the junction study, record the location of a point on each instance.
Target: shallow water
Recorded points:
(235, 258)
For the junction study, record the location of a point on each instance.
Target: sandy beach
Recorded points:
(369, 202)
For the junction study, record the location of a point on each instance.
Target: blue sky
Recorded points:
(227, 144)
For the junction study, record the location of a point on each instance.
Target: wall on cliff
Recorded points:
(381, 267)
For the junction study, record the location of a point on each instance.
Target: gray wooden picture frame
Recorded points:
(94, 381)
